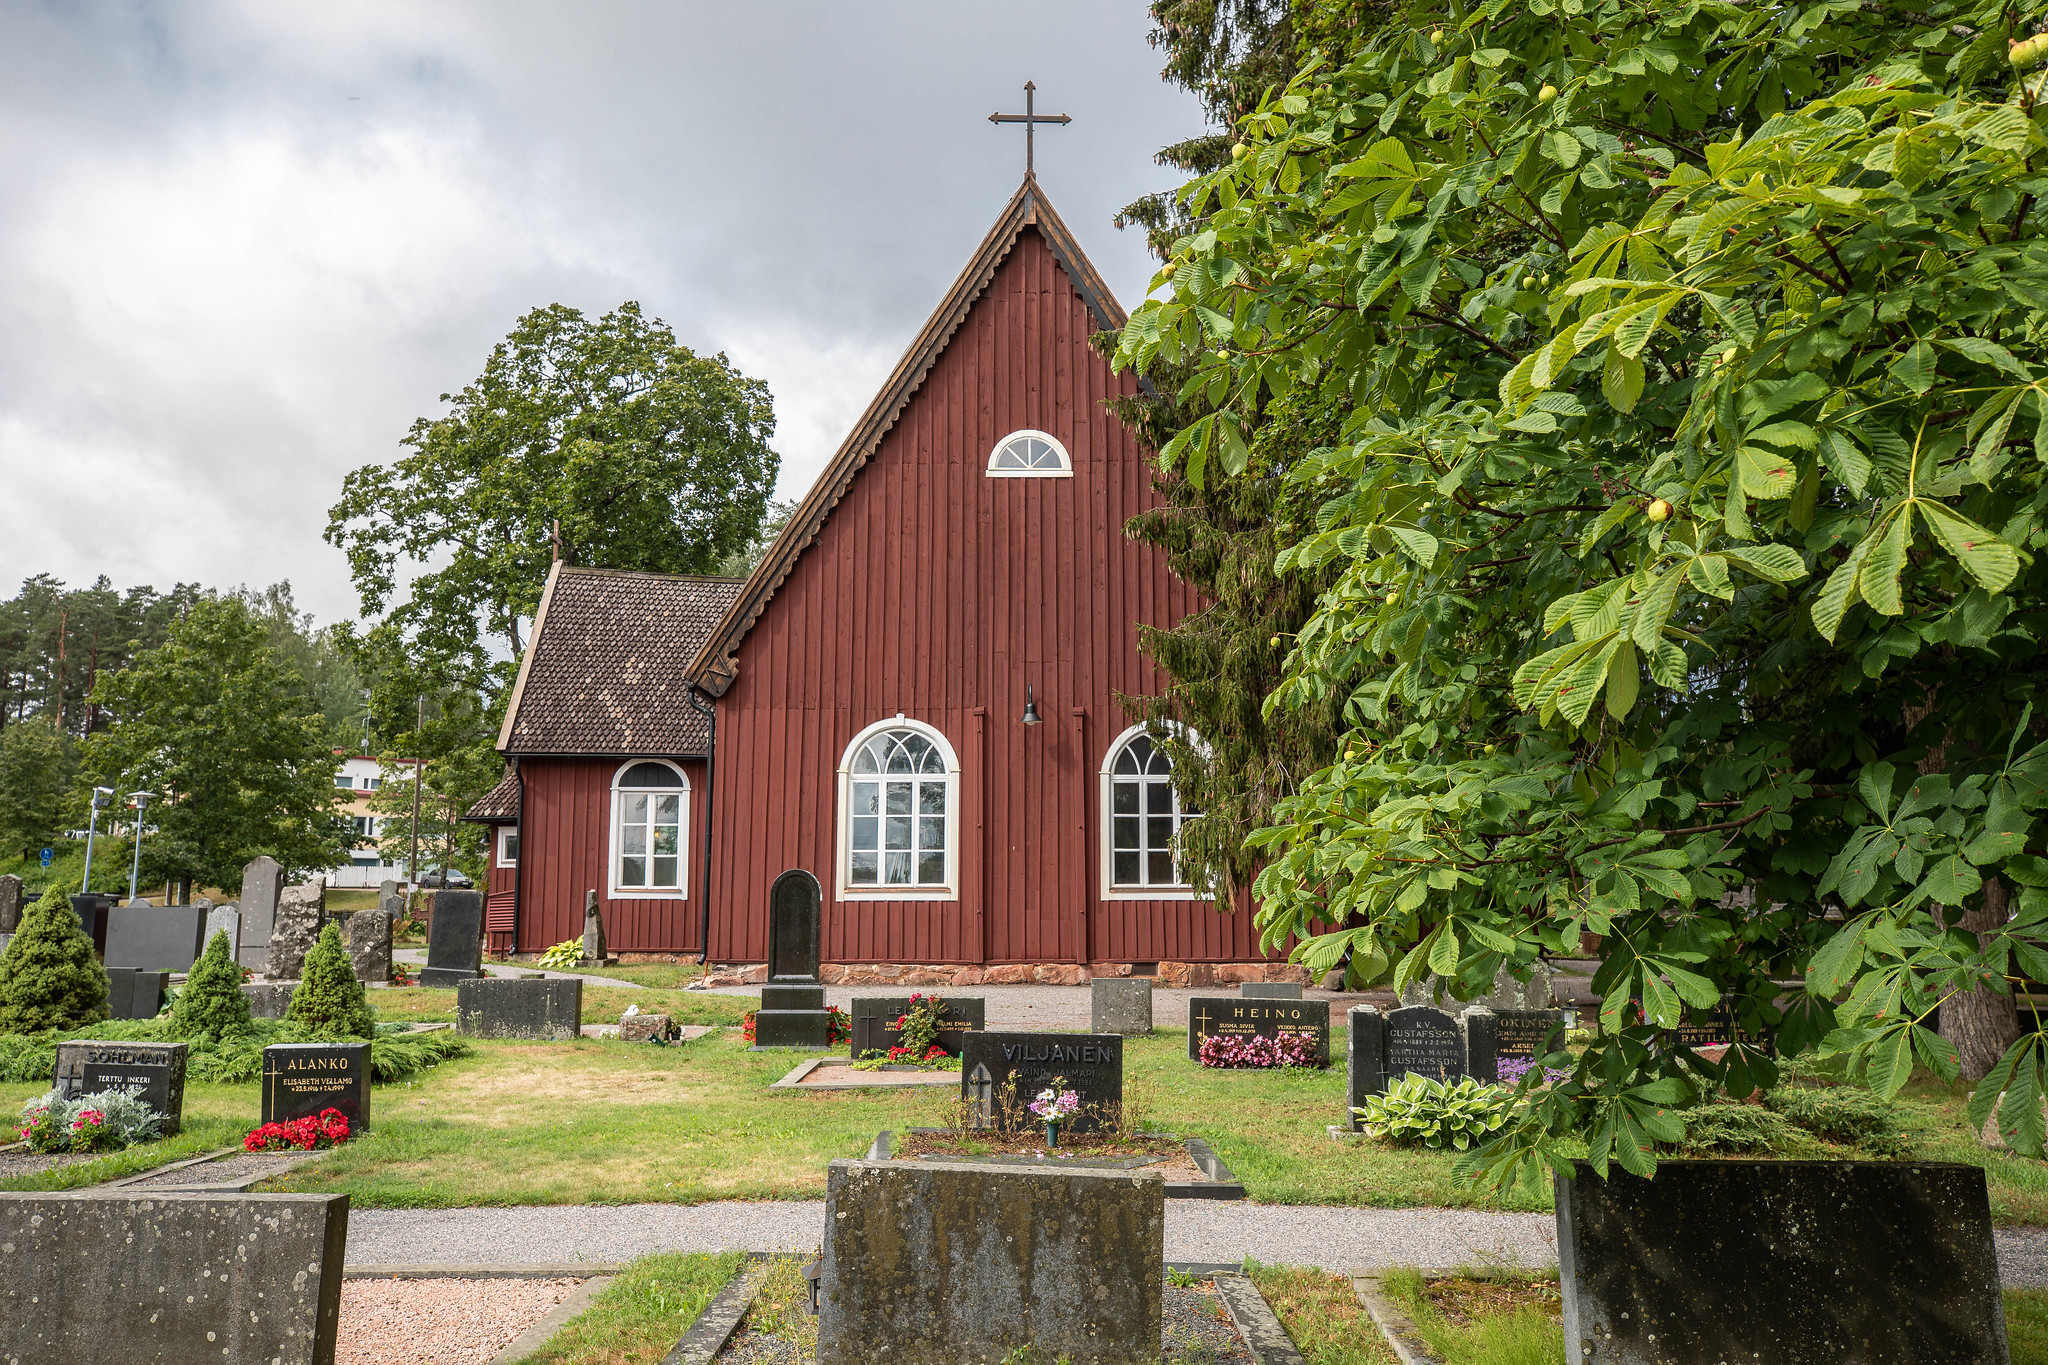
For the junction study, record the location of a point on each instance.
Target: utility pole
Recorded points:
(412, 866)
(140, 800)
(100, 797)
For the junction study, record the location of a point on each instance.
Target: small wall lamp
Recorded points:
(1030, 716)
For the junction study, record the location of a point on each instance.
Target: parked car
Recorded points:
(445, 876)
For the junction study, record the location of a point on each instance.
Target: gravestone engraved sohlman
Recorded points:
(262, 884)
(305, 1078)
(1001, 1073)
(1424, 1041)
(1237, 1017)
(152, 1072)
(793, 1012)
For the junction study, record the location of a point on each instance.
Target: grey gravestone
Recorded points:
(498, 1007)
(262, 885)
(369, 945)
(874, 1021)
(1424, 1041)
(1269, 990)
(202, 902)
(10, 903)
(455, 940)
(1120, 1004)
(387, 888)
(269, 999)
(224, 919)
(643, 1028)
(296, 928)
(934, 1263)
(92, 913)
(1752, 1260)
(594, 953)
(176, 1276)
(154, 936)
(1237, 1017)
(793, 1012)
(1492, 1034)
(392, 907)
(135, 994)
(305, 1078)
(1366, 1059)
(153, 1072)
(1001, 1073)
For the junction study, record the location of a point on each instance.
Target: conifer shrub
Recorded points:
(212, 1007)
(329, 998)
(49, 978)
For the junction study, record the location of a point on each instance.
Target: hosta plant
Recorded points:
(562, 956)
(1422, 1110)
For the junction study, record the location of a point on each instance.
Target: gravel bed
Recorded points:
(25, 1162)
(227, 1170)
(439, 1322)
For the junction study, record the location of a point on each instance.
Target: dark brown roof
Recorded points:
(604, 673)
(713, 668)
(499, 805)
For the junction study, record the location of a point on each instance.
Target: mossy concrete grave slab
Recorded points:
(1217, 1180)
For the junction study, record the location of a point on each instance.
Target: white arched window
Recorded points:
(650, 830)
(1029, 455)
(899, 814)
(1141, 822)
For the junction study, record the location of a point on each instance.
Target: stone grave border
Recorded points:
(794, 1080)
(1221, 1184)
(1395, 1326)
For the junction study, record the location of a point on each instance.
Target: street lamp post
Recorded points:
(100, 797)
(139, 800)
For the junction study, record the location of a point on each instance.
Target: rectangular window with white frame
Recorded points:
(508, 846)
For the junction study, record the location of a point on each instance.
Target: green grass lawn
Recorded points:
(216, 1116)
(601, 1004)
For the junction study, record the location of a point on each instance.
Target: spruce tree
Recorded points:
(212, 1006)
(329, 998)
(49, 978)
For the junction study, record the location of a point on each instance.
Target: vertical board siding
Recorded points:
(938, 592)
(567, 844)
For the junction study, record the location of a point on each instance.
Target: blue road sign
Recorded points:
(46, 857)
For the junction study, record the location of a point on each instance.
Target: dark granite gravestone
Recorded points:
(262, 884)
(793, 1012)
(875, 1016)
(500, 1007)
(1365, 1060)
(10, 903)
(1269, 990)
(305, 1078)
(92, 912)
(1001, 1073)
(135, 994)
(1492, 1034)
(1787, 1261)
(151, 936)
(455, 939)
(152, 1072)
(1210, 1016)
(1423, 1040)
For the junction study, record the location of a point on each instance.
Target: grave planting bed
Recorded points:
(447, 1321)
(1191, 1167)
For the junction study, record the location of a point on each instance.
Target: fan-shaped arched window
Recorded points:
(1142, 820)
(898, 832)
(1027, 455)
(650, 830)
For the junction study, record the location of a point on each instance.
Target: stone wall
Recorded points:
(1170, 975)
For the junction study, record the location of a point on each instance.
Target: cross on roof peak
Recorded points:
(1030, 120)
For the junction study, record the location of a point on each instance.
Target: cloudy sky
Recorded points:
(244, 246)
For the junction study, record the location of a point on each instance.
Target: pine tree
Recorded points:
(49, 978)
(212, 1006)
(329, 998)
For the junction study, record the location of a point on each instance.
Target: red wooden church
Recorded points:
(913, 696)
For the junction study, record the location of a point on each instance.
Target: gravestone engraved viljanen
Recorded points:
(1239, 1017)
(793, 1012)
(1001, 1073)
(262, 885)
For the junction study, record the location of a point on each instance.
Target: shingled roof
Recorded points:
(603, 673)
(499, 805)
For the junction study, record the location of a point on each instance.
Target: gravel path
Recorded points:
(417, 957)
(1068, 1007)
(439, 1322)
(1201, 1230)
(228, 1170)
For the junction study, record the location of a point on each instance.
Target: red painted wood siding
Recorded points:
(936, 591)
(565, 845)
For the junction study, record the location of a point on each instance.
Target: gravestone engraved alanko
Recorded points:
(1366, 1060)
(151, 936)
(937, 1263)
(296, 928)
(305, 1078)
(1001, 1073)
(1789, 1261)
(262, 884)
(1423, 1040)
(10, 903)
(228, 919)
(455, 939)
(100, 1276)
(874, 1021)
(135, 994)
(1236, 1017)
(368, 937)
(1120, 1004)
(497, 1007)
(153, 1072)
(1269, 990)
(1491, 1034)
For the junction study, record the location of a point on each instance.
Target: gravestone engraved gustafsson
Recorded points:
(1424, 1041)
(1239, 1017)
(305, 1078)
(1001, 1073)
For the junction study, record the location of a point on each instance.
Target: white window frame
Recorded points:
(1107, 796)
(507, 833)
(1065, 471)
(843, 888)
(681, 890)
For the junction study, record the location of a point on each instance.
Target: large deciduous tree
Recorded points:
(1682, 529)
